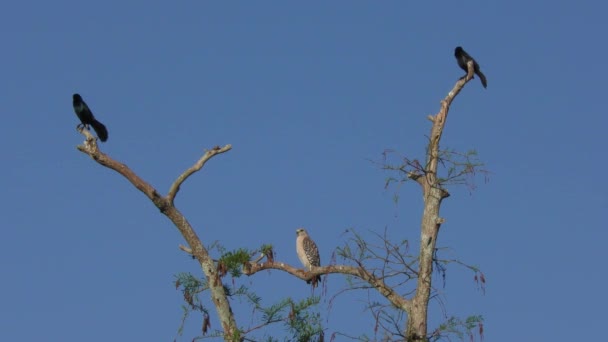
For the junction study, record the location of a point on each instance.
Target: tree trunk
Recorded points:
(433, 194)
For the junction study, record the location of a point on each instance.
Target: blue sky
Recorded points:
(307, 95)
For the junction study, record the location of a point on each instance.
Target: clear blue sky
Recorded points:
(307, 94)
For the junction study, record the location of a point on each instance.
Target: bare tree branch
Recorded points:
(219, 296)
(359, 272)
(196, 167)
(90, 147)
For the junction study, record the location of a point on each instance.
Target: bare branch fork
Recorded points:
(166, 205)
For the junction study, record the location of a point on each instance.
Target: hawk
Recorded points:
(308, 253)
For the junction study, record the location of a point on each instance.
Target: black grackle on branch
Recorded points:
(86, 117)
(462, 57)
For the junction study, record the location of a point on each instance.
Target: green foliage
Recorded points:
(268, 252)
(233, 261)
(303, 324)
(191, 287)
(298, 317)
(457, 327)
(265, 249)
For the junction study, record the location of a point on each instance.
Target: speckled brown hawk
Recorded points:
(308, 253)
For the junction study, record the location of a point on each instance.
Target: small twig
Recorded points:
(196, 167)
(262, 325)
(262, 255)
(185, 249)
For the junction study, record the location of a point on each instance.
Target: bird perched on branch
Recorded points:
(86, 117)
(308, 253)
(462, 57)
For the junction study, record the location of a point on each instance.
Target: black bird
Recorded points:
(462, 57)
(86, 118)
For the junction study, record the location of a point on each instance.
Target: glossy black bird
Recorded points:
(462, 57)
(86, 117)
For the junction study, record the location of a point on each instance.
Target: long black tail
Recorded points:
(482, 77)
(100, 129)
